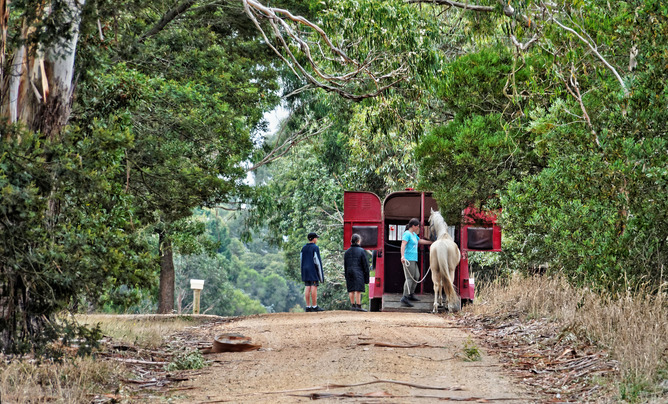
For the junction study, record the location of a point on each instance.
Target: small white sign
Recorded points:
(197, 284)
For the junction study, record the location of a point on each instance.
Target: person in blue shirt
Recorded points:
(312, 272)
(409, 258)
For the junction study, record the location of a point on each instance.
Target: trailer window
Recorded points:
(480, 238)
(369, 235)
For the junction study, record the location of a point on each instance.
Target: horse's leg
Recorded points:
(436, 278)
(440, 293)
(437, 289)
(435, 275)
(455, 301)
(445, 280)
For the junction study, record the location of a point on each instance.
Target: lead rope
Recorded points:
(407, 274)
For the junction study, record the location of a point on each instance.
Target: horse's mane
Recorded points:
(439, 224)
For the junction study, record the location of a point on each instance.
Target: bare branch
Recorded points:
(167, 18)
(526, 45)
(546, 7)
(361, 71)
(593, 49)
(290, 141)
(465, 6)
(573, 88)
(507, 9)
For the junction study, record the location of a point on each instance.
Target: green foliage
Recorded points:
(69, 334)
(474, 83)
(584, 193)
(64, 228)
(237, 280)
(160, 124)
(186, 360)
(165, 123)
(466, 162)
(635, 390)
(471, 351)
(193, 93)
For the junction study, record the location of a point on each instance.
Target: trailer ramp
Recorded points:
(391, 302)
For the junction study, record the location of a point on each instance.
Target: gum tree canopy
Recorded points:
(120, 117)
(553, 111)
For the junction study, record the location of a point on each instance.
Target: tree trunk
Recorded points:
(37, 88)
(166, 298)
(36, 83)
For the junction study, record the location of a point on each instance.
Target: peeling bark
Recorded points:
(37, 87)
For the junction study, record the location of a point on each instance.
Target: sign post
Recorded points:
(196, 285)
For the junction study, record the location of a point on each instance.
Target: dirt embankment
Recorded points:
(373, 357)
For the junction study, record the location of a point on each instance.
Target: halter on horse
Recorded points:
(443, 258)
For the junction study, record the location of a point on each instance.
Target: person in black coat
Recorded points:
(356, 271)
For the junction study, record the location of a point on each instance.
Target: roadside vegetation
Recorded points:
(629, 329)
(101, 377)
(123, 149)
(625, 333)
(74, 380)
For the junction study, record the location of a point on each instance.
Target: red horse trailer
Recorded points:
(381, 226)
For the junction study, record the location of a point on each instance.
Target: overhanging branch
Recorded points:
(465, 6)
(167, 18)
(544, 7)
(359, 72)
(291, 141)
(593, 49)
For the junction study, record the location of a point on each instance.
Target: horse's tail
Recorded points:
(444, 264)
(450, 288)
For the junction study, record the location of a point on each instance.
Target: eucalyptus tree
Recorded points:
(159, 122)
(39, 40)
(554, 111)
(66, 226)
(569, 138)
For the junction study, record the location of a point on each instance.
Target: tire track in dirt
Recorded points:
(304, 354)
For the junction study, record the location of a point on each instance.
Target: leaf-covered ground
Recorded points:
(382, 357)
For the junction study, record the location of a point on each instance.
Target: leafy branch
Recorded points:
(292, 140)
(543, 12)
(283, 32)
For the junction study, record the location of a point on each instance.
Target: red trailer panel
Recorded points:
(362, 214)
(381, 226)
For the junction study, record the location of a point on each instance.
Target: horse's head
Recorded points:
(437, 225)
(432, 230)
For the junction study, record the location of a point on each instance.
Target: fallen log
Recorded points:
(318, 396)
(390, 345)
(137, 361)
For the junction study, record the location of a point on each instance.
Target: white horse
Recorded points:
(443, 258)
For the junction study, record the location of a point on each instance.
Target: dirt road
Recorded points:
(304, 354)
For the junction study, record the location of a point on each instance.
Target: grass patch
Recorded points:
(76, 380)
(632, 328)
(187, 360)
(142, 331)
(471, 351)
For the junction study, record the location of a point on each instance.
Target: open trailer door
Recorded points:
(362, 214)
(479, 231)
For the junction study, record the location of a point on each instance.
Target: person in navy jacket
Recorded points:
(312, 272)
